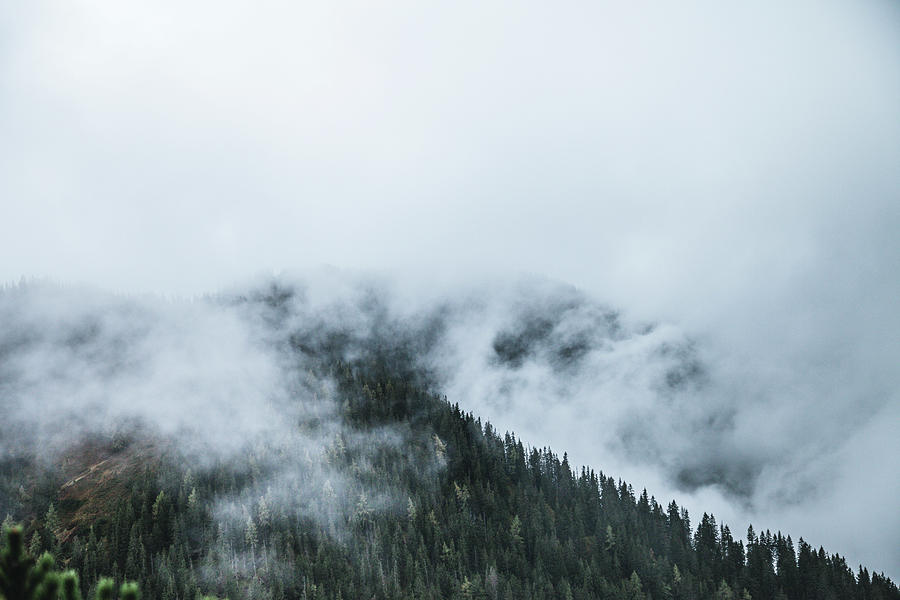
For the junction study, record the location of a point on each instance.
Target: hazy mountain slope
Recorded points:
(273, 445)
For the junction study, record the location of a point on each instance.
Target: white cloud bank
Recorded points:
(729, 168)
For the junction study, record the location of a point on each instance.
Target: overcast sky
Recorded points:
(730, 168)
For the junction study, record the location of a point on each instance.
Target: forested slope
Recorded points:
(359, 480)
(480, 515)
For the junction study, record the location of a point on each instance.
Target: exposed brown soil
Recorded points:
(96, 478)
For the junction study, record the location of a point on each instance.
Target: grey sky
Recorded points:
(730, 168)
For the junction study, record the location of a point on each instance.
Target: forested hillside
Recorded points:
(368, 484)
(483, 517)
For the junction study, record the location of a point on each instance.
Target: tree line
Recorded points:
(496, 520)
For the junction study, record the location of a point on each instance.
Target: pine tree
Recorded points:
(24, 578)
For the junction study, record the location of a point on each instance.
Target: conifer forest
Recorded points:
(404, 496)
(449, 300)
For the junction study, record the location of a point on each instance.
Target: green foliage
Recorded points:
(22, 577)
(476, 515)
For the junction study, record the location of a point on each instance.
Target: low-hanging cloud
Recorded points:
(225, 378)
(716, 427)
(211, 381)
(728, 172)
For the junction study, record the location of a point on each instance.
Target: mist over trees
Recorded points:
(369, 484)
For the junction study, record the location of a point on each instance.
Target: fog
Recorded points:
(726, 173)
(204, 383)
